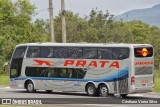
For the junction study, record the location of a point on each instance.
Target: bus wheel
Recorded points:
(91, 90)
(48, 91)
(123, 95)
(30, 87)
(104, 91)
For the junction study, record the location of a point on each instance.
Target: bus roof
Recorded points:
(85, 44)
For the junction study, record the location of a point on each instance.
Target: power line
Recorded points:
(41, 10)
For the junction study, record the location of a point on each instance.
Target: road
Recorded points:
(69, 99)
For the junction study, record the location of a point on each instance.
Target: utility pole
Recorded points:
(63, 22)
(51, 21)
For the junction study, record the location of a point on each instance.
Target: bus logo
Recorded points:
(143, 52)
(93, 63)
(41, 62)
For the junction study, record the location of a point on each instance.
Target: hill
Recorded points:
(150, 16)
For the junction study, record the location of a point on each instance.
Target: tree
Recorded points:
(75, 27)
(16, 26)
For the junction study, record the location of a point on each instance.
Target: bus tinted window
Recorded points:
(75, 53)
(36, 72)
(143, 52)
(19, 52)
(33, 52)
(120, 53)
(66, 73)
(89, 53)
(55, 72)
(47, 52)
(114, 53)
(105, 53)
(61, 52)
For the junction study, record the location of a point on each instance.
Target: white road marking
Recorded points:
(136, 95)
(4, 87)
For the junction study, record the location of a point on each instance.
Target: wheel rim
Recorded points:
(104, 91)
(30, 87)
(90, 90)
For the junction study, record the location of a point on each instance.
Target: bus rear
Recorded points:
(143, 69)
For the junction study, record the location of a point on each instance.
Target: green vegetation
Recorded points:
(4, 80)
(157, 85)
(157, 81)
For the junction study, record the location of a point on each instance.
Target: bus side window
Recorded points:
(69, 73)
(105, 53)
(50, 55)
(74, 73)
(63, 73)
(61, 52)
(47, 52)
(120, 53)
(51, 73)
(90, 53)
(33, 52)
(124, 53)
(75, 53)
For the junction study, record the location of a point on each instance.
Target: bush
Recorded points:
(157, 81)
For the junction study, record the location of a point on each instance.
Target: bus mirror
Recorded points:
(5, 66)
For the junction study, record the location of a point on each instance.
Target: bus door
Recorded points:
(144, 67)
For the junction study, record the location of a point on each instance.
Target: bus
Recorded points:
(94, 68)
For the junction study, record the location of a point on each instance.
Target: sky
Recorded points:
(83, 7)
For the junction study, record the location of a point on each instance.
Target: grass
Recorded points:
(157, 85)
(4, 80)
(157, 81)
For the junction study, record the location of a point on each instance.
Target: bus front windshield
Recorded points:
(16, 63)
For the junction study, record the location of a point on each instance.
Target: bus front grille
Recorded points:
(123, 85)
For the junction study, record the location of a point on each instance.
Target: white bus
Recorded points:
(98, 69)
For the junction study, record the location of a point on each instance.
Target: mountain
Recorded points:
(150, 16)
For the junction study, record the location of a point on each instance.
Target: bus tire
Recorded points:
(104, 92)
(91, 90)
(48, 91)
(123, 95)
(30, 87)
